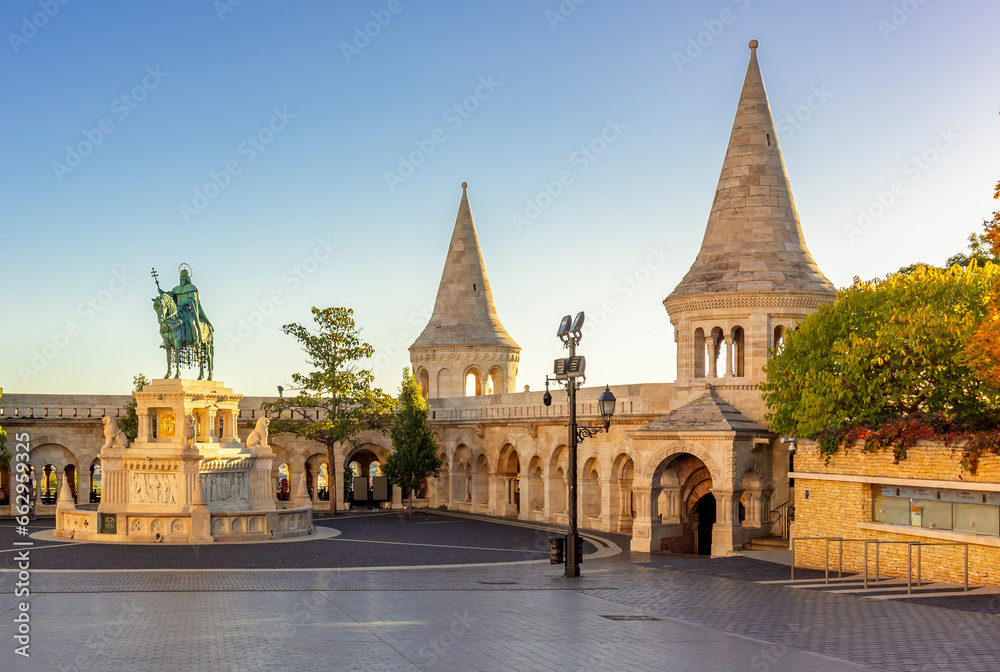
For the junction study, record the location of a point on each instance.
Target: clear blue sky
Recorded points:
(173, 91)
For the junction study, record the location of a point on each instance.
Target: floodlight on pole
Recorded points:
(570, 373)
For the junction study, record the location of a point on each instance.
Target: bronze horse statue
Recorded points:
(181, 344)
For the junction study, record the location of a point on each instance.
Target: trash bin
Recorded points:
(557, 549)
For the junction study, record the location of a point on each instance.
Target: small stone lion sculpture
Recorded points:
(188, 433)
(114, 437)
(258, 437)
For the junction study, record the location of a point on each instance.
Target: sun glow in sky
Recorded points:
(311, 153)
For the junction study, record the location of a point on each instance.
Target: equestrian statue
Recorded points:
(187, 333)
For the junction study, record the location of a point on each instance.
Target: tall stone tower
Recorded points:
(464, 336)
(754, 277)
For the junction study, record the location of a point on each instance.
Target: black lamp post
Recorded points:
(569, 371)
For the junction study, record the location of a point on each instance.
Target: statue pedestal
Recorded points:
(187, 477)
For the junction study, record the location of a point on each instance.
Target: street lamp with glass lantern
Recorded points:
(570, 373)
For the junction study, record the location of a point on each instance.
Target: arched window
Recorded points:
(423, 378)
(779, 339)
(473, 383)
(739, 358)
(283, 488)
(715, 346)
(699, 353)
(496, 384)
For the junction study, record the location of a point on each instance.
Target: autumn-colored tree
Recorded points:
(337, 401)
(984, 348)
(414, 452)
(884, 351)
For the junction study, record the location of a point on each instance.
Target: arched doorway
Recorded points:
(5, 489)
(461, 479)
(317, 477)
(362, 463)
(682, 522)
(558, 486)
(95, 481)
(509, 475)
(706, 520)
(442, 488)
(590, 495)
(535, 490)
(622, 503)
(481, 485)
(48, 486)
(283, 486)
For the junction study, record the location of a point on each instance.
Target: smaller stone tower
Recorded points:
(464, 336)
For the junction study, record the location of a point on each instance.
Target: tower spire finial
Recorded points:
(753, 45)
(465, 185)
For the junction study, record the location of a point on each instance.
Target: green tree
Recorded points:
(885, 351)
(414, 452)
(335, 402)
(980, 251)
(130, 423)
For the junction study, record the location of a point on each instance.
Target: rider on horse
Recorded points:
(187, 334)
(185, 295)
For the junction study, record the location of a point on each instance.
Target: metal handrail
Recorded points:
(840, 559)
(782, 518)
(920, 545)
(878, 544)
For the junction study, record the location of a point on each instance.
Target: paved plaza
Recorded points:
(448, 592)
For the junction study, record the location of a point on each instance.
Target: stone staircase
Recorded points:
(767, 544)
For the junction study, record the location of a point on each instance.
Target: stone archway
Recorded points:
(680, 481)
(440, 487)
(590, 494)
(533, 495)
(622, 502)
(557, 485)
(461, 478)
(508, 476)
(481, 485)
(362, 462)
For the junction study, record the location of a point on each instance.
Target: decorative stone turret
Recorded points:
(464, 335)
(754, 277)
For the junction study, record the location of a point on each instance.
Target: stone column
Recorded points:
(710, 345)
(727, 533)
(262, 494)
(212, 422)
(604, 486)
(549, 484)
(673, 513)
(83, 482)
(729, 356)
(144, 434)
(623, 523)
(642, 525)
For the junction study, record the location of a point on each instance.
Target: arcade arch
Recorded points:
(680, 482)
(509, 474)
(622, 503)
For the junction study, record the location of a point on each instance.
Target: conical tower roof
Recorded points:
(464, 314)
(753, 242)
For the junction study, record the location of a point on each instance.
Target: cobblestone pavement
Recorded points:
(489, 617)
